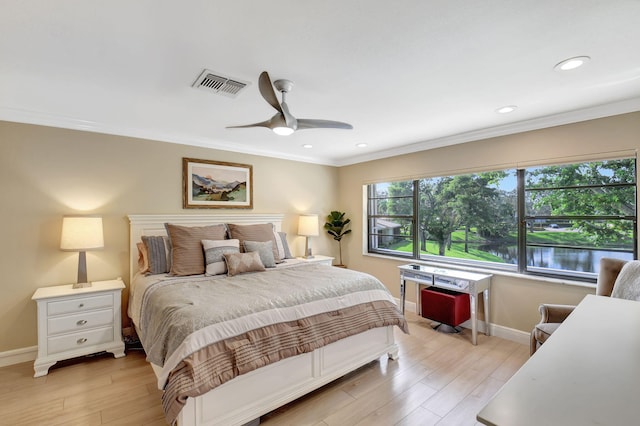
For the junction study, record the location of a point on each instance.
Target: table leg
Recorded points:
(473, 300)
(402, 295)
(486, 312)
(418, 301)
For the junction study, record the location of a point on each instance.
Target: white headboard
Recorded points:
(140, 225)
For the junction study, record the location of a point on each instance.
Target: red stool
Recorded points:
(445, 306)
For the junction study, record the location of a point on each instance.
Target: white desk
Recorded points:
(586, 373)
(450, 279)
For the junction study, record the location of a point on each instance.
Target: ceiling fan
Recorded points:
(283, 123)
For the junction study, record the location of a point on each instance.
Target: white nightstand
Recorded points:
(75, 322)
(318, 258)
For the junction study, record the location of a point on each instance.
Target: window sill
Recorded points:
(539, 278)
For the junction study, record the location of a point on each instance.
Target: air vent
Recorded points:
(214, 82)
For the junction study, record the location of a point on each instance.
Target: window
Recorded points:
(550, 220)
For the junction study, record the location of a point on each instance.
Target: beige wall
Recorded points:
(46, 173)
(514, 299)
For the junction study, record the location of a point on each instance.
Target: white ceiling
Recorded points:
(407, 74)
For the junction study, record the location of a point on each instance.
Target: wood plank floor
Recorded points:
(439, 379)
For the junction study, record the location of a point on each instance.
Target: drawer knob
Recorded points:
(81, 322)
(81, 305)
(81, 341)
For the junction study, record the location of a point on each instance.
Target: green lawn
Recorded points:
(457, 249)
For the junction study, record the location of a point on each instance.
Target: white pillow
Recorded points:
(627, 285)
(214, 251)
(279, 245)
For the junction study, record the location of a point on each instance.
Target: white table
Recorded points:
(462, 281)
(586, 373)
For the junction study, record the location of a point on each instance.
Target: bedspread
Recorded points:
(206, 332)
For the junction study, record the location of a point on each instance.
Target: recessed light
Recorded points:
(307, 145)
(361, 145)
(506, 109)
(572, 63)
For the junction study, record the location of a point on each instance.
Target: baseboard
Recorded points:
(16, 356)
(512, 334)
(506, 333)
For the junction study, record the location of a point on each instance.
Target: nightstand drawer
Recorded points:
(81, 321)
(80, 304)
(73, 341)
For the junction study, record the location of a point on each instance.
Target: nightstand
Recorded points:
(75, 322)
(318, 258)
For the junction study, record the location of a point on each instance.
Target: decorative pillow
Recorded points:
(258, 232)
(239, 263)
(627, 285)
(143, 258)
(278, 244)
(158, 254)
(285, 245)
(214, 251)
(264, 249)
(187, 256)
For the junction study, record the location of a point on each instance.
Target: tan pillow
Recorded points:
(239, 263)
(258, 232)
(187, 255)
(143, 258)
(214, 251)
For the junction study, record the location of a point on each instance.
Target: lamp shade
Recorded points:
(308, 225)
(80, 233)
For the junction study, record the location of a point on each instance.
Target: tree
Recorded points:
(477, 202)
(587, 189)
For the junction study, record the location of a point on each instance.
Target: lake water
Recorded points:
(558, 258)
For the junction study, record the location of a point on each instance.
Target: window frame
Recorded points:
(522, 218)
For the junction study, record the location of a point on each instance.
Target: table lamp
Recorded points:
(308, 227)
(81, 233)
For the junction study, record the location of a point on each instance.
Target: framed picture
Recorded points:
(216, 185)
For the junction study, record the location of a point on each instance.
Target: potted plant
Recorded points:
(336, 226)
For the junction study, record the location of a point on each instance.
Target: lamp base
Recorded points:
(81, 285)
(308, 254)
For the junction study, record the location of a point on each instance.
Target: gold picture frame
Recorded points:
(216, 185)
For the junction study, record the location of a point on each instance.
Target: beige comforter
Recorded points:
(206, 332)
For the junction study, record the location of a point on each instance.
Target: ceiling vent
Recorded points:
(215, 82)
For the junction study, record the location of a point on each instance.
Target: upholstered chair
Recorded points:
(553, 315)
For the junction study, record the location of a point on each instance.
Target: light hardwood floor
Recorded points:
(439, 379)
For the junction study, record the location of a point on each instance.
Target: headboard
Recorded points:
(140, 225)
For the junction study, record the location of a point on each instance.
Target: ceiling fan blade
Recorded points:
(289, 119)
(308, 123)
(267, 92)
(266, 123)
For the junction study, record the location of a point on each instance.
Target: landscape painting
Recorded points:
(216, 185)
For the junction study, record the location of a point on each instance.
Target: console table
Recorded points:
(586, 373)
(464, 282)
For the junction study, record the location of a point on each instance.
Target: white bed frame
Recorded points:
(249, 396)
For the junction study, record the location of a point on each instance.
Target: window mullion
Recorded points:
(416, 219)
(522, 223)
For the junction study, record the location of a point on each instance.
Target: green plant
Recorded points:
(337, 226)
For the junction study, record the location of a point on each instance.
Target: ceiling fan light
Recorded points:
(282, 131)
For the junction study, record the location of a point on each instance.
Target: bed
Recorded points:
(295, 348)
